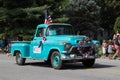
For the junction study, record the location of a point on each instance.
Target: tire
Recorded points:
(56, 61)
(19, 59)
(88, 62)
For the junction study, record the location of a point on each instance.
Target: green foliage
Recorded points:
(10, 4)
(1, 3)
(16, 13)
(62, 20)
(117, 24)
(22, 16)
(16, 16)
(100, 51)
(84, 13)
(110, 10)
(2, 13)
(35, 10)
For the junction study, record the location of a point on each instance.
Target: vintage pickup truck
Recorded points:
(56, 44)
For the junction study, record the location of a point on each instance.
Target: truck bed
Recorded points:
(21, 46)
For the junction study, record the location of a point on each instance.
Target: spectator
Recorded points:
(110, 51)
(116, 34)
(117, 46)
(119, 40)
(104, 48)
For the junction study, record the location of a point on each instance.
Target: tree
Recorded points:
(117, 24)
(17, 15)
(14, 18)
(110, 10)
(84, 14)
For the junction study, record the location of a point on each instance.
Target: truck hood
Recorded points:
(67, 38)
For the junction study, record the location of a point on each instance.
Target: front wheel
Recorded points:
(19, 59)
(56, 62)
(88, 62)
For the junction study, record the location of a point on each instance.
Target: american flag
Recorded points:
(48, 19)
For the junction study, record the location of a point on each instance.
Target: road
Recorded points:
(104, 69)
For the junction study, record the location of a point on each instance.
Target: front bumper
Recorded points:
(74, 54)
(78, 57)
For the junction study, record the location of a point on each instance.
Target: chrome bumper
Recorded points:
(74, 54)
(76, 57)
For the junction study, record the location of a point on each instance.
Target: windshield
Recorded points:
(60, 30)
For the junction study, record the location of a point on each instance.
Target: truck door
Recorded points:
(37, 44)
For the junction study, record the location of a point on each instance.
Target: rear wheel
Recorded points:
(19, 59)
(88, 62)
(56, 61)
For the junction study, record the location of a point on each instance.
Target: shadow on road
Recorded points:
(38, 64)
(73, 66)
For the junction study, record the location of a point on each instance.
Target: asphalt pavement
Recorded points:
(104, 69)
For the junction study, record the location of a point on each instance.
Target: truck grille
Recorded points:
(85, 49)
(77, 50)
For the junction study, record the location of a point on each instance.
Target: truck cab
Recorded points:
(56, 44)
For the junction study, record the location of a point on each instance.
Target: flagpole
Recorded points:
(48, 18)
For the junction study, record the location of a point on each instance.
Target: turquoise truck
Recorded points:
(56, 44)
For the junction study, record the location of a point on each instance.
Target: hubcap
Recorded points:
(56, 60)
(19, 58)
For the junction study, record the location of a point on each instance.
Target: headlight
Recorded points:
(67, 46)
